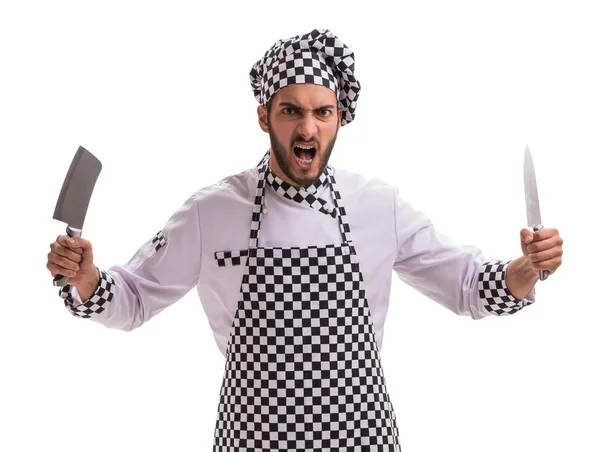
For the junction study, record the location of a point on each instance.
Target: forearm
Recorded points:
(162, 271)
(521, 277)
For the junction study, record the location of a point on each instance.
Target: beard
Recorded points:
(284, 157)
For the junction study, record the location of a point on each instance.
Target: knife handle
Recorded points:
(543, 273)
(60, 280)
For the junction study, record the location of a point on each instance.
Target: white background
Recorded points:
(452, 93)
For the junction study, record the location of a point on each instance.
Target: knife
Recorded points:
(532, 203)
(74, 198)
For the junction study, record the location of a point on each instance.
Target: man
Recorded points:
(294, 274)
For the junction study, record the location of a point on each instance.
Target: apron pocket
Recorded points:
(230, 258)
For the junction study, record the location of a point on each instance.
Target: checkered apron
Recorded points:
(303, 370)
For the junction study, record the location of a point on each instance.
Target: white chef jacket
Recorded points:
(389, 234)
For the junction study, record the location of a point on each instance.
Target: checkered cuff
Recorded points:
(96, 303)
(494, 292)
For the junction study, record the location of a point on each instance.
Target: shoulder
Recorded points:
(232, 189)
(373, 196)
(366, 188)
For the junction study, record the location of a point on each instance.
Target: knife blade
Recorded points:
(532, 203)
(75, 194)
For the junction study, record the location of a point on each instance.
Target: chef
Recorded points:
(292, 261)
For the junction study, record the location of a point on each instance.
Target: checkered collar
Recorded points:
(302, 195)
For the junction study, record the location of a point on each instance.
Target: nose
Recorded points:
(307, 127)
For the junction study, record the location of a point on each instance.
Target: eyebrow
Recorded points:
(290, 104)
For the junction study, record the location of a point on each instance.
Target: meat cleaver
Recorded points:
(532, 203)
(75, 195)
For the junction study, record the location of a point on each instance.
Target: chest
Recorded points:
(287, 224)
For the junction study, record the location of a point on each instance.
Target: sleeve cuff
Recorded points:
(95, 304)
(493, 291)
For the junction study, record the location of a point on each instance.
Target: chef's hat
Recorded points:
(318, 57)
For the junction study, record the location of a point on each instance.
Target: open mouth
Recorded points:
(304, 154)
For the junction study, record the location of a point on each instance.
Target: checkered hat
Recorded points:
(318, 57)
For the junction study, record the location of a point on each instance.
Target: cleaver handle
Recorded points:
(60, 280)
(543, 273)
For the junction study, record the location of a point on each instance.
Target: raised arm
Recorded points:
(160, 273)
(456, 276)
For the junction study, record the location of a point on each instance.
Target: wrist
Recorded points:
(87, 288)
(521, 277)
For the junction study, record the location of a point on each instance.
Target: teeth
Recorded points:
(304, 161)
(304, 146)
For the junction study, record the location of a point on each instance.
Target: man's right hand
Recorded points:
(73, 257)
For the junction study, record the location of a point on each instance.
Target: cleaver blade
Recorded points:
(75, 194)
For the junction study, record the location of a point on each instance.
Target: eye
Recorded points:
(324, 113)
(290, 111)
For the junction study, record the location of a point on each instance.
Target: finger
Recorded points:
(544, 256)
(83, 246)
(73, 243)
(543, 234)
(58, 270)
(526, 236)
(79, 242)
(546, 244)
(551, 265)
(65, 252)
(62, 261)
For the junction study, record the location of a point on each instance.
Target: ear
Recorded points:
(339, 117)
(262, 118)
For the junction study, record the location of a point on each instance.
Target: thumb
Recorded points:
(526, 236)
(80, 244)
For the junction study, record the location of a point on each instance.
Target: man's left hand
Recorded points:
(542, 248)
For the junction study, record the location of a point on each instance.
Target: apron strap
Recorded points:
(258, 207)
(341, 210)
